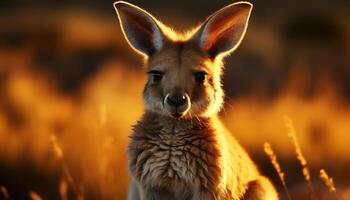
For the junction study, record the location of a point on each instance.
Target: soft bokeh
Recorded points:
(70, 89)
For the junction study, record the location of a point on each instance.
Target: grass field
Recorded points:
(65, 145)
(70, 89)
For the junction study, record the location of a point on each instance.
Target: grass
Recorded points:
(34, 196)
(328, 181)
(268, 150)
(88, 136)
(63, 187)
(68, 181)
(4, 192)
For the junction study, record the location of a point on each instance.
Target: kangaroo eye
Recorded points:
(156, 76)
(200, 77)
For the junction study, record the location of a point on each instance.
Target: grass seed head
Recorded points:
(327, 180)
(34, 196)
(273, 158)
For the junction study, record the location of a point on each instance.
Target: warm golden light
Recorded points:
(69, 130)
(268, 150)
(327, 180)
(34, 196)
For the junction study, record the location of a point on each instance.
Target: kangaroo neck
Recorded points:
(173, 126)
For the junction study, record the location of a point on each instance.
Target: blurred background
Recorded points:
(70, 89)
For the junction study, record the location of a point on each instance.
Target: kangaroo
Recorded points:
(179, 149)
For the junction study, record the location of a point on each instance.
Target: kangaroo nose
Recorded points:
(176, 100)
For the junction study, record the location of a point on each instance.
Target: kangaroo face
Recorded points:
(184, 72)
(182, 81)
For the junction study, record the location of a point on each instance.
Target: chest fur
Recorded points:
(168, 154)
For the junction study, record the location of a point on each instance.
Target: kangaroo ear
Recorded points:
(223, 31)
(139, 28)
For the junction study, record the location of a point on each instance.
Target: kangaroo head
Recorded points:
(184, 70)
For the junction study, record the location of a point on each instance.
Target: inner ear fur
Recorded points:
(140, 28)
(224, 30)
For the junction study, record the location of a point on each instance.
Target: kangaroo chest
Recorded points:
(174, 154)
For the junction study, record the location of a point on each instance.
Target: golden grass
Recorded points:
(63, 189)
(273, 158)
(91, 131)
(300, 156)
(4, 192)
(67, 174)
(328, 181)
(34, 196)
(57, 149)
(321, 122)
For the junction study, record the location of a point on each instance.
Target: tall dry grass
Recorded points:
(273, 158)
(34, 196)
(63, 189)
(328, 181)
(300, 156)
(5, 194)
(322, 123)
(66, 172)
(91, 129)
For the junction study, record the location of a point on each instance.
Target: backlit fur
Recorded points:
(179, 60)
(192, 157)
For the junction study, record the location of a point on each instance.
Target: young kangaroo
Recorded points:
(179, 149)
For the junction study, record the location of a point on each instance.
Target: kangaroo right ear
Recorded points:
(139, 28)
(223, 31)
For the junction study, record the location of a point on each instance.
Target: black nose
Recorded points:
(176, 100)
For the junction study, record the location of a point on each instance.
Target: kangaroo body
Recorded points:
(179, 150)
(191, 159)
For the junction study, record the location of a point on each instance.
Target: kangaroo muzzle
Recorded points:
(177, 105)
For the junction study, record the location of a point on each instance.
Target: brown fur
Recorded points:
(180, 60)
(190, 156)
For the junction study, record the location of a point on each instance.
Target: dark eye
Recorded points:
(200, 77)
(156, 76)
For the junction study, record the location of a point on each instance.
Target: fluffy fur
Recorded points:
(191, 159)
(183, 152)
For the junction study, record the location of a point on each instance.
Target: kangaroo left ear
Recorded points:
(139, 28)
(223, 31)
